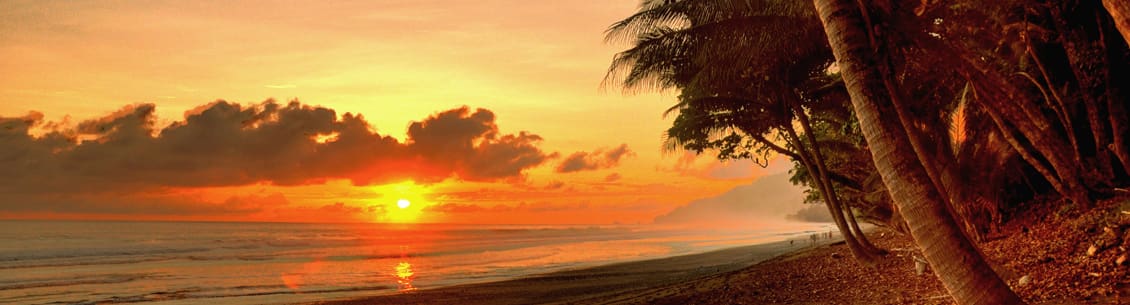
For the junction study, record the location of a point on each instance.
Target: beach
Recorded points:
(622, 282)
(774, 273)
(277, 263)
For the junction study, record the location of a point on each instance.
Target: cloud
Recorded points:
(599, 159)
(613, 177)
(554, 185)
(469, 145)
(226, 144)
(771, 197)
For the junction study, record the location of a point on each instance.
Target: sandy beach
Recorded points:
(602, 284)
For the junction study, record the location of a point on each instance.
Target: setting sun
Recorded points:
(404, 202)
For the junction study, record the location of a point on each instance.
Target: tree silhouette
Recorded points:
(743, 86)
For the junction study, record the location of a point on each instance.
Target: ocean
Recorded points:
(100, 262)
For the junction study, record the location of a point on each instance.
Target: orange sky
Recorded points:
(535, 65)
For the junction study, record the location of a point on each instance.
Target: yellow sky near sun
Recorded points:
(536, 64)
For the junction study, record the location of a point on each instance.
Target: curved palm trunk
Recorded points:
(822, 168)
(940, 167)
(1120, 11)
(1018, 116)
(1084, 49)
(857, 249)
(1119, 127)
(1026, 153)
(854, 224)
(1008, 102)
(1010, 110)
(963, 271)
(940, 164)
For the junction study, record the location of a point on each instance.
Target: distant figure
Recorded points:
(813, 237)
(791, 242)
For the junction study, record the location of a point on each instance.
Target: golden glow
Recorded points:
(296, 279)
(324, 138)
(413, 199)
(404, 276)
(336, 64)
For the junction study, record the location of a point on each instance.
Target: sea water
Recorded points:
(69, 262)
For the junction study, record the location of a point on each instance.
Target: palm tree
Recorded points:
(962, 269)
(1045, 72)
(737, 78)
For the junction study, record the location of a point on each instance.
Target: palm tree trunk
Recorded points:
(1014, 111)
(1119, 127)
(1120, 11)
(1115, 102)
(963, 271)
(1026, 153)
(822, 168)
(1010, 106)
(857, 250)
(854, 224)
(1082, 52)
(939, 164)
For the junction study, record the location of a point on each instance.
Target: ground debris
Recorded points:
(1071, 257)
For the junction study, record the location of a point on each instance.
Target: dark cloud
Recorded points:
(598, 159)
(613, 177)
(469, 145)
(226, 144)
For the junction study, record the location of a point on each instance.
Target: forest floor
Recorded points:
(1069, 256)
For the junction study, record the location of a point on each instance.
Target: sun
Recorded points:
(404, 202)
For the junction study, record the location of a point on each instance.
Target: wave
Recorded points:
(74, 280)
(38, 264)
(82, 253)
(210, 293)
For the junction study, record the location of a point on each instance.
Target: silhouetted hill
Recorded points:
(771, 197)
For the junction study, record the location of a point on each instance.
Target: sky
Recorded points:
(487, 111)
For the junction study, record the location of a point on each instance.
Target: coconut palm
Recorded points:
(962, 269)
(741, 68)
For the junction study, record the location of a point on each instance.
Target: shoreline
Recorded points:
(592, 283)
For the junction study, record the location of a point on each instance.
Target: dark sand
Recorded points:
(597, 284)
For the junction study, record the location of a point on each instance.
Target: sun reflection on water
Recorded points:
(404, 276)
(404, 273)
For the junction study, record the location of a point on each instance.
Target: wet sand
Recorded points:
(592, 285)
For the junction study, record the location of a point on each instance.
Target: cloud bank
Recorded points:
(226, 144)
